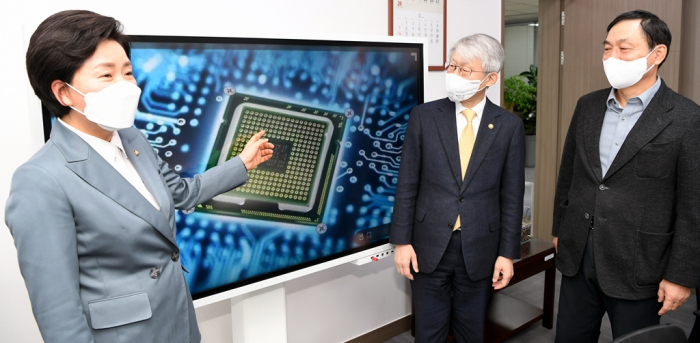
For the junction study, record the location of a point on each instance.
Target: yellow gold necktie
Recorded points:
(466, 146)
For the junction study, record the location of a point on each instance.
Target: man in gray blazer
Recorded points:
(627, 205)
(459, 198)
(92, 213)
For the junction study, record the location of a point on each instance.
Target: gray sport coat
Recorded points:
(646, 209)
(99, 261)
(430, 191)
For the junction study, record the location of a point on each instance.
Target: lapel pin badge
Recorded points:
(490, 127)
(136, 152)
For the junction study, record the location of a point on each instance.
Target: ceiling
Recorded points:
(521, 11)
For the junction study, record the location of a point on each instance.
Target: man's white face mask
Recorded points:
(460, 89)
(114, 107)
(622, 74)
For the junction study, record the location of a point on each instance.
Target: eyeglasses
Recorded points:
(462, 71)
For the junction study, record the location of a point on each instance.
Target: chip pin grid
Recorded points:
(293, 184)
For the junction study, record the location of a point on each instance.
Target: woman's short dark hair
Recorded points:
(655, 29)
(60, 46)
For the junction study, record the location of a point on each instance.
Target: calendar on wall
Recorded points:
(421, 18)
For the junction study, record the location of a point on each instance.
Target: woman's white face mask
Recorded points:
(460, 89)
(114, 107)
(622, 74)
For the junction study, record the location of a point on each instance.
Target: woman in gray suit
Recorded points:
(92, 212)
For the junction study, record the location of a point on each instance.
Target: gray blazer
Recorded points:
(430, 191)
(101, 264)
(646, 209)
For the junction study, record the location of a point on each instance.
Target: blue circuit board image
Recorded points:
(187, 84)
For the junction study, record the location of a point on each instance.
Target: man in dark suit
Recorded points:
(459, 198)
(627, 205)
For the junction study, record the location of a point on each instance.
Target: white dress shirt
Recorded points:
(462, 120)
(113, 153)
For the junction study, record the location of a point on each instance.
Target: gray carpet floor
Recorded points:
(531, 291)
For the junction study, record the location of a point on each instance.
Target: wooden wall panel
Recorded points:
(689, 83)
(546, 164)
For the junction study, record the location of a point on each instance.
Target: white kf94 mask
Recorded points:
(460, 89)
(114, 107)
(622, 74)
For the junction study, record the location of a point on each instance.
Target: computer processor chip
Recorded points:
(293, 184)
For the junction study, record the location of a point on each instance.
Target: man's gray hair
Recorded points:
(482, 47)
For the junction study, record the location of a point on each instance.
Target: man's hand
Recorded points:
(555, 241)
(256, 151)
(404, 256)
(502, 272)
(672, 295)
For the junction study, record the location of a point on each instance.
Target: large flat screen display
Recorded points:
(336, 112)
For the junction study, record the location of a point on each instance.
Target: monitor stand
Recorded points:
(260, 316)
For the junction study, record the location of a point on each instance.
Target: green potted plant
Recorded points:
(517, 94)
(530, 119)
(520, 97)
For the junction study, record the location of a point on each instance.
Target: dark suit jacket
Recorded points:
(646, 208)
(430, 191)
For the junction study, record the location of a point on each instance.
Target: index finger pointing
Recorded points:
(256, 136)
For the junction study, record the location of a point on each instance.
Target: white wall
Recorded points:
(330, 306)
(521, 49)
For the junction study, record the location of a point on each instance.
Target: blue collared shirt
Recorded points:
(619, 122)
